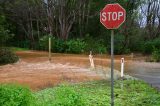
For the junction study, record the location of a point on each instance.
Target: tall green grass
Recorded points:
(127, 93)
(15, 95)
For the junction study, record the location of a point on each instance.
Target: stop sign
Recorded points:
(112, 16)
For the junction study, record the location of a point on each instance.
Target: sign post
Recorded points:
(112, 17)
(112, 67)
(49, 48)
(50, 30)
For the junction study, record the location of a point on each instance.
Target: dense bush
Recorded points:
(97, 46)
(67, 96)
(7, 56)
(156, 55)
(119, 47)
(149, 46)
(75, 46)
(15, 95)
(61, 46)
(4, 31)
(44, 42)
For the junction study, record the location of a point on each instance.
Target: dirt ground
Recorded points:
(35, 71)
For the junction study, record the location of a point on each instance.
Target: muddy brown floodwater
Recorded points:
(35, 71)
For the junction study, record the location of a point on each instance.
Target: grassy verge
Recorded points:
(133, 93)
(18, 49)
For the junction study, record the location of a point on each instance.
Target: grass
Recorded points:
(18, 49)
(127, 93)
(133, 93)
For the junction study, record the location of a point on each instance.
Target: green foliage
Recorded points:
(64, 95)
(86, 21)
(75, 46)
(19, 44)
(136, 40)
(133, 93)
(119, 47)
(101, 48)
(18, 49)
(149, 46)
(44, 42)
(4, 32)
(61, 46)
(7, 56)
(94, 45)
(156, 55)
(15, 95)
(57, 45)
(118, 42)
(67, 96)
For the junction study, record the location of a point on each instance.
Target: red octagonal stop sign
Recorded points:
(112, 16)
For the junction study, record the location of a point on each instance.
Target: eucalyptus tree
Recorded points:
(151, 13)
(65, 13)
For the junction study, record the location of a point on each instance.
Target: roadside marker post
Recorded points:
(91, 60)
(132, 56)
(112, 16)
(122, 67)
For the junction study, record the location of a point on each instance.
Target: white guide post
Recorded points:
(122, 67)
(91, 60)
(132, 56)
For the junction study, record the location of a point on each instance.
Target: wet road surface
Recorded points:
(149, 72)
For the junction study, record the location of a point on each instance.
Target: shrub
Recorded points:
(75, 46)
(4, 31)
(44, 42)
(149, 46)
(94, 45)
(67, 96)
(7, 56)
(119, 47)
(101, 48)
(59, 46)
(156, 55)
(15, 95)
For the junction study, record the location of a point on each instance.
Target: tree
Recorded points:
(150, 10)
(4, 32)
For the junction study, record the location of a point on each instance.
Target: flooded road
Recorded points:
(35, 69)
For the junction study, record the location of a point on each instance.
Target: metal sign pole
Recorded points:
(112, 67)
(108, 19)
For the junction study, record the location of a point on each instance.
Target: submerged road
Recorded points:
(149, 72)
